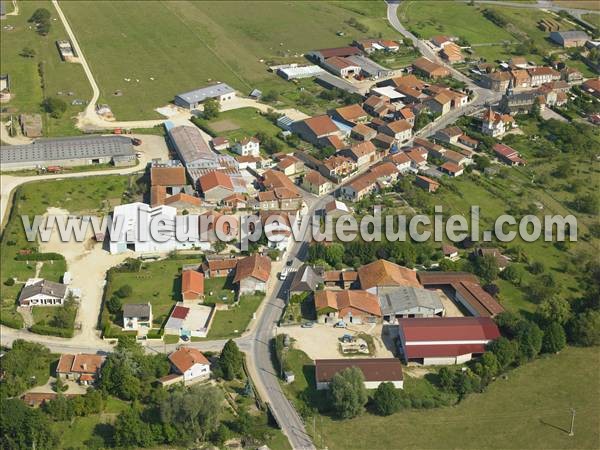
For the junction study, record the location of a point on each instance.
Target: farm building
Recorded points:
(384, 276)
(67, 152)
(375, 371)
(407, 301)
(353, 306)
(305, 280)
(294, 72)
(252, 274)
(192, 99)
(449, 340)
(572, 38)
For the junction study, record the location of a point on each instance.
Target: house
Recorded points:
(351, 114)
(465, 289)
(353, 306)
(439, 104)
(192, 285)
(372, 45)
(384, 276)
(441, 41)
(191, 364)
(571, 38)
(501, 260)
(362, 154)
(219, 266)
(167, 179)
(336, 209)
(316, 129)
(429, 68)
(508, 155)
(383, 141)
(191, 100)
(342, 67)
(252, 274)
(316, 183)
(277, 227)
(377, 106)
(82, 367)
(402, 161)
(452, 53)
(236, 201)
(449, 135)
(468, 141)
(338, 166)
(220, 143)
(495, 124)
(450, 252)
(375, 371)
(40, 292)
(373, 180)
(290, 165)
(247, 147)
(305, 280)
(451, 169)
(496, 81)
(408, 301)
(215, 186)
(323, 54)
(448, 340)
(363, 132)
(249, 162)
(520, 78)
(427, 183)
(408, 115)
(280, 199)
(400, 130)
(592, 87)
(136, 316)
(541, 75)
(344, 279)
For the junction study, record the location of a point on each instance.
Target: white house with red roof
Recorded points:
(191, 364)
(447, 340)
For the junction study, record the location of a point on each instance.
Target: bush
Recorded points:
(10, 282)
(54, 106)
(47, 330)
(11, 322)
(204, 126)
(40, 257)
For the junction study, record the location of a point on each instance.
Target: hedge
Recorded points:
(204, 126)
(48, 330)
(11, 322)
(40, 257)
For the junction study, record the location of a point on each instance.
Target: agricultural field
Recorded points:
(27, 84)
(195, 43)
(528, 410)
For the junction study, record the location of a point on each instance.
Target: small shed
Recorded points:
(256, 94)
(67, 278)
(289, 376)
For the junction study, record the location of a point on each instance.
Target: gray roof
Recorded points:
(45, 287)
(571, 34)
(190, 144)
(305, 280)
(137, 310)
(67, 148)
(405, 298)
(199, 95)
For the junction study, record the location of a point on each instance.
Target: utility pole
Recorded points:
(571, 431)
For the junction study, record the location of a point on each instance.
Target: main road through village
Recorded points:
(256, 341)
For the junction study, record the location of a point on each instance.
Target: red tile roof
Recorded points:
(215, 179)
(373, 369)
(255, 266)
(192, 284)
(354, 301)
(386, 273)
(321, 125)
(180, 312)
(351, 113)
(184, 358)
(168, 176)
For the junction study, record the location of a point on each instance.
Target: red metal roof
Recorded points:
(437, 351)
(448, 329)
(180, 312)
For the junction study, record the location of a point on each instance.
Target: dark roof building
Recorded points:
(374, 370)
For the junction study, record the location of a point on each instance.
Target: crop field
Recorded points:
(185, 45)
(25, 80)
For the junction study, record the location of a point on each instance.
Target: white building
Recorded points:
(247, 147)
(40, 292)
(191, 364)
(136, 316)
(140, 228)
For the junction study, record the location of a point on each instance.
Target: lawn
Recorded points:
(25, 80)
(219, 290)
(529, 409)
(157, 282)
(195, 43)
(233, 322)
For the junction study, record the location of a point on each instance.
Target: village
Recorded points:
(272, 324)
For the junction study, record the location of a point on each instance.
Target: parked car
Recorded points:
(307, 325)
(340, 324)
(289, 263)
(136, 141)
(185, 338)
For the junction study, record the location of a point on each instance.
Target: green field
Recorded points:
(185, 45)
(528, 410)
(59, 76)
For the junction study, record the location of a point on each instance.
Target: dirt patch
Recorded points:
(224, 125)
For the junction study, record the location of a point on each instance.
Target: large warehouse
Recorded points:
(192, 99)
(68, 152)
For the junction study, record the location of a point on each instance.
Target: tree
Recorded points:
(446, 378)
(487, 268)
(211, 109)
(114, 304)
(386, 399)
(305, 99)
(482, 162)
(54, 106)
(231, 361)
(22, 366)
(555, 309)
(537, 267)
(124, 291)
(529, 337)
(27, 52)
(513, 273)
(507, 322)
(505, 351)
(587, 203)
(131, 431)
(543, 288)
(43, 27)
(348, 393)
(219, 246)
(40, 15)
(271, 96)
(22, 427)
(554, 338)
(584, 328)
